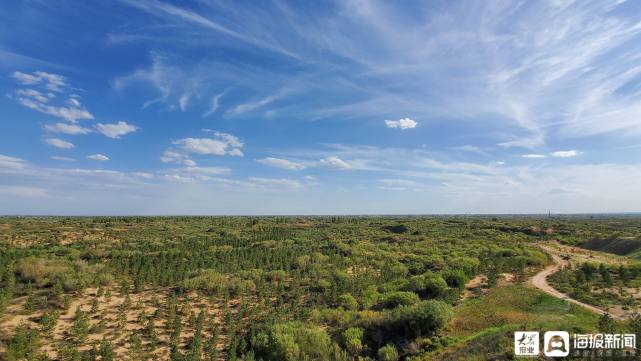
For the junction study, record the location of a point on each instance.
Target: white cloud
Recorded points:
(53, 82)
(22, 191)
(281, 163)
(71, 112)
(565, 153)
(471, 149)
(66, 128)
(192, 173)
(220, 144)
(276, 182)
(144, 175)
(533, 156)
(529, 141)
(202, 146)
(405, 123)
(205, 170)
(35, 95)
(400, 184)
(279, 183)
(455, 166)
(116, 130)
(334, 163)
(99, 157)
(40, 100)
(59, 143)
(7, 162)
(64, 159)
(171, 156)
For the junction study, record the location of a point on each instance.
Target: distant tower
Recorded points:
(549, 214)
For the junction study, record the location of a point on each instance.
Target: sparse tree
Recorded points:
(80, 328)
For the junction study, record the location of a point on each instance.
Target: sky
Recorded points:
(216, 107)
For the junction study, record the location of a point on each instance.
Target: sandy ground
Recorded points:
(107, 311)
(474, 286)
(478, 285)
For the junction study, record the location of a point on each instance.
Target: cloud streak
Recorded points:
(115, 130)
(59, 143)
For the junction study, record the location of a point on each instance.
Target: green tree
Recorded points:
(195, 346)
(80, 328)
(634, 325)
(211, 347)
(606, 323)
(174, 339)
(135, 347)
(48, 321)
(23, 345)
(151, 332)
(106, 351)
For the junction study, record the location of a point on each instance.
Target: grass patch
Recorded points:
(484, 326)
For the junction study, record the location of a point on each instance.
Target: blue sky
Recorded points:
(276, 107)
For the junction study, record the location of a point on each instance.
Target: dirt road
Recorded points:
(540, 281)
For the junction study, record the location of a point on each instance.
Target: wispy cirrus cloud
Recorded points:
(178, 14)
(529, 85)
(251, 106)
(214, 105)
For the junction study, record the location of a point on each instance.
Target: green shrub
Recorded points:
(425, 318)
(388, 353)
(292, 341)
(455, 278)
(212, 282)
(429, 285)
(353, 340)
(348, 302)
(397, 298)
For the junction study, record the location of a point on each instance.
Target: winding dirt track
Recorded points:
(540, 281)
